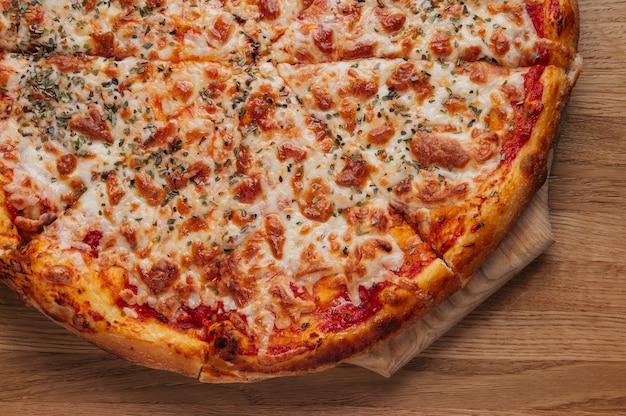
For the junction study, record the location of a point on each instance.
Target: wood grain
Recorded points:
(552, 341)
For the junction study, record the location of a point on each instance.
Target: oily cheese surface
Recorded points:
(247, 189)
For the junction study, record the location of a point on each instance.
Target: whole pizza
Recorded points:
(241, 189)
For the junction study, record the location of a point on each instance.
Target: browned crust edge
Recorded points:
(337, 348)
(516, 187)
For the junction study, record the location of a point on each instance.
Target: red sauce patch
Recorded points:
(535, 11)
(526, 115)
(342, 313)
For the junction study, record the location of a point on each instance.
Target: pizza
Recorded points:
(241, 189)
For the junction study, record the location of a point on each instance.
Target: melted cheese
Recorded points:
(499, 31)
(408, 113)
(181, 30)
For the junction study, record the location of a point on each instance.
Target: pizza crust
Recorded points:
(516, 183)
(408, 305)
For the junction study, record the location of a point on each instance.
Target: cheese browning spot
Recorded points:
(432, 149)
(275, 235)
(93, 126)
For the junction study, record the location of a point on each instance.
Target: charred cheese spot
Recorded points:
(115, 191)
(354, 174)
(499, 43)
(357, 51)
(275, 235)
(234, 281)
(183, 90)
(129, 233)
(261, 110)
(323, 39)
(199, 172)
(322, 136)
(391, 22)
(403, 187)
(269, 9)
(361, 88)
(456, 105)
(104, 44)
(193, 224)
(6, 105)
(432, 149)
(77, 189)
(470, 53)
(433, 190)
(347, 111)
(406, 76)
(381, 134)
(93, 126)
(203, 254)
(323, 99)
(66, 164)
(60, 274)
(480, 72)
(222, 28)
(68, 63)
(441, 44)
(163, 137)
(289, 150)
(249, 189)
(161, 276)
(314, 202)
(152, 192)
(484, 145)
(244, 159)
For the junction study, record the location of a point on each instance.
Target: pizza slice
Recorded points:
(510, 33)
(153, 29)
(456, 149)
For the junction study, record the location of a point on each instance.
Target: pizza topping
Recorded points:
(432, 149)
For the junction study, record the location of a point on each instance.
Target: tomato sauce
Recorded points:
(535, 11)
(342, 313)
(526, 115)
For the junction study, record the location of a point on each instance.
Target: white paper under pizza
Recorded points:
(530, 237)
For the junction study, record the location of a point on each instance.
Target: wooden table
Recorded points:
(552, 341)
